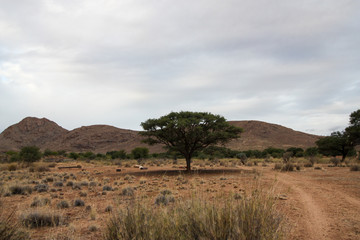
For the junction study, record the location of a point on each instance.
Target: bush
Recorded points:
(248, 218)
(335, 161)
(63, 204)
(288, 167)
(79, 203)
(12, 167)
(165, 197)
(355, 168)
(38, 202)
(129, 191)
(107, 188)
(35, 219)
(30, 154)
(278, 166)
(17, 189)
(41, 188)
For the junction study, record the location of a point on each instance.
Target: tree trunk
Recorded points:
(188, 162)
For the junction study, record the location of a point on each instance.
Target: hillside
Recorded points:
(260, 135)
(47, 134)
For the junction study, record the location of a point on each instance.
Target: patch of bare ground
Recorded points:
(322, 204)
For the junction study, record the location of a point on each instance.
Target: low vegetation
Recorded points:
(249, 218)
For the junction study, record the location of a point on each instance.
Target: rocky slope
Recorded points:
(102, 138)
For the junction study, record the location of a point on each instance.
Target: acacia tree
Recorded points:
(353, 130)
(337, 143)
(188, 132)
(30, 154)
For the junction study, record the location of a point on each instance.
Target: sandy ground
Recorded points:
(319, 204)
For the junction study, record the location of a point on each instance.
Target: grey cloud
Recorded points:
(293, 63)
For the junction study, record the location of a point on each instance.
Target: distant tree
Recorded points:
(337, 144)
(311, 152)
(73, 155)
(30, 154)
(48, 152)
(353, 130)
(189, 132)
(296, 152)
(274, 152)
(117, 154)
(140, 153)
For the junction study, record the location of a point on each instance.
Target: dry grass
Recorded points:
(253, 217)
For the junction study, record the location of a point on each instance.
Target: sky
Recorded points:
(121, 62)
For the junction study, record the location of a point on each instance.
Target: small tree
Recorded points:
(353, 130)
(336, 144)
(189, 132)
(30, 154)
(140, 153)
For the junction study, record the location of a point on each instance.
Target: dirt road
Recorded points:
(321, 204)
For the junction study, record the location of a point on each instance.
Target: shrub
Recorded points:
(335, 161)
(41, 188)
(309, 164)
(17, 189)
(165, 197)
(108, 209)
(38, 202)
(129, 191)
(35, 219)
(58, 184)
(107, 188)
(30, 154)
(278, 166)
(79, 203)
(355, 168)
(62, 204)
(12, 167)
(247, 218)
(288, 167)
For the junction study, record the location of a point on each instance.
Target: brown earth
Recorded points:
(102, 138)
(317, 204)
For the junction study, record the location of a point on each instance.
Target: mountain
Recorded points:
(31, 131)
(47, 134)
(260, 135)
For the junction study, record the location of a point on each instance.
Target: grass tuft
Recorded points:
(248, 218)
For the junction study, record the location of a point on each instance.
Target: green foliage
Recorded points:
(13, 156)
(311, 152)
(274, 152)
(189, 132)
(48, 152)
(30, 154)
(296, 152)
(353, 130)
(74, 155)
(140, 153)
(335, 145)
(117, 154)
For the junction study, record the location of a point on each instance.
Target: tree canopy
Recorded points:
(188, 132)
(334, 145)
(353, 130)
(30, 154)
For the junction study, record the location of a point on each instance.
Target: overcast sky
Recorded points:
(120, 62)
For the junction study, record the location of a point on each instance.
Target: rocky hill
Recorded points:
(47, 134)
(260, 135)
